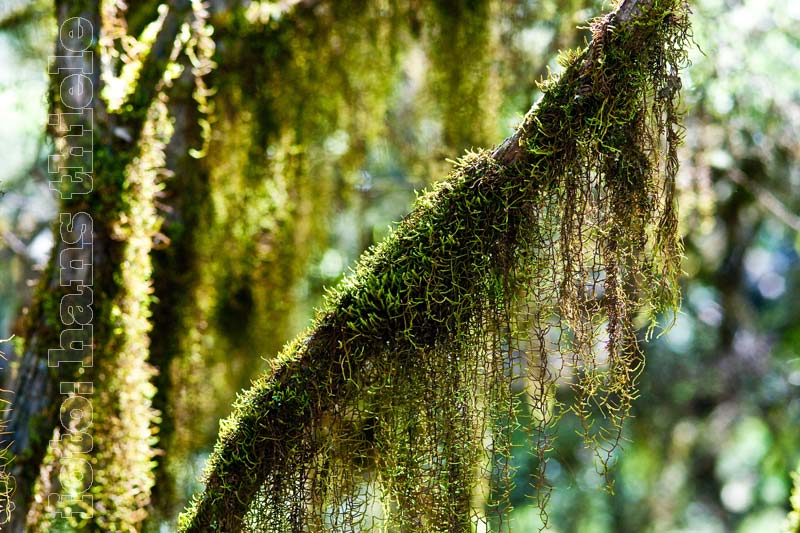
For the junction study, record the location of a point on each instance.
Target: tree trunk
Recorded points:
(96, 281)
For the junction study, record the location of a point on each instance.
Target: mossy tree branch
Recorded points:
(455, 262)
(290, 104)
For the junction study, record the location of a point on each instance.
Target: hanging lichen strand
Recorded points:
(521, 272)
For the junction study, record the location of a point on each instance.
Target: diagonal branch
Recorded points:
(478, 204)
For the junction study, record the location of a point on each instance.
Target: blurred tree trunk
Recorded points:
(186, 201)
(102, 242)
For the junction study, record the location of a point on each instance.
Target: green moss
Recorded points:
(122, 425)
(793, 520)
(522, 270)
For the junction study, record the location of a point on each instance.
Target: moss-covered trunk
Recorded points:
(83, 378)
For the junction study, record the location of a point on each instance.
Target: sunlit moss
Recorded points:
(793, 521)
(118, 86)
(123, 421)
(528, 266)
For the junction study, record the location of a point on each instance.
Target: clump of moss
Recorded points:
(524, 270)
(793, 520)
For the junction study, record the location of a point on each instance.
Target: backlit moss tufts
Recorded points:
(507, 297)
